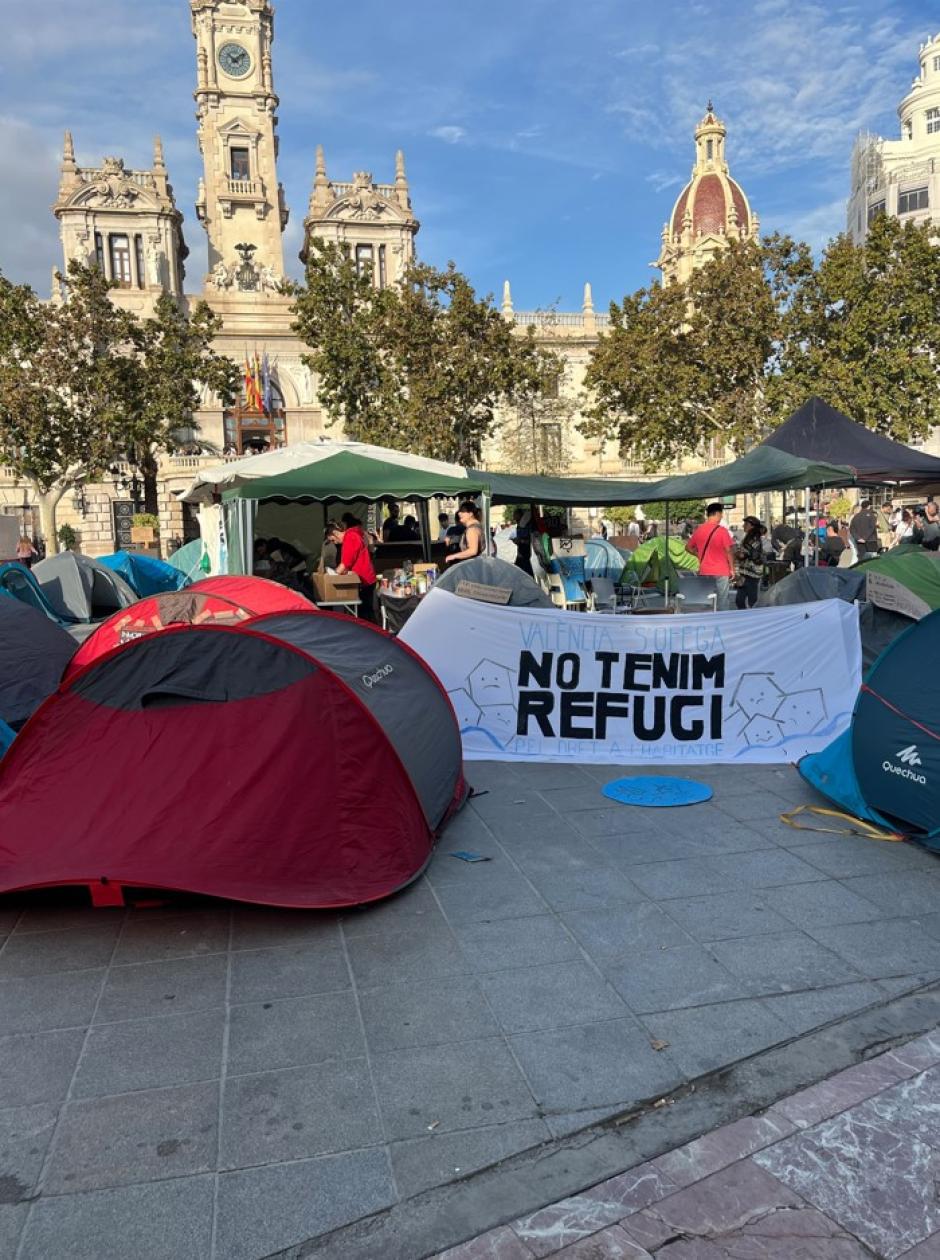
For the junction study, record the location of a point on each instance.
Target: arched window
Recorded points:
(251, 429)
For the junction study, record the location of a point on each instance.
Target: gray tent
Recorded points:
(34, 652)
(81, 589)
(878, 626)
(805, 585)
(489, 571)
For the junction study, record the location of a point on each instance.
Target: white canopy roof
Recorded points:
(301, 455)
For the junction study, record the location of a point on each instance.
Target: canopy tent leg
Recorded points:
(424, 519)
(806, 528)
(485, 500)
(666, 560)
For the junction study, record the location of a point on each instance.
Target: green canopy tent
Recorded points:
(322, 473)
(764, 468)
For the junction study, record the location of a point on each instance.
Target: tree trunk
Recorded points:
(148, 468)
(48, 503)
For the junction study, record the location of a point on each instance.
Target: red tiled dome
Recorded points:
(709, 205)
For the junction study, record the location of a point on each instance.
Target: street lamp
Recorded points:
(124, 484)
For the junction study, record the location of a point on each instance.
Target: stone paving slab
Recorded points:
(845, 1170)
(230, 1064)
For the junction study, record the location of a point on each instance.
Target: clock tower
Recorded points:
(240, 202)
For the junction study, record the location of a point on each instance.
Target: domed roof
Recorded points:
(709, 198)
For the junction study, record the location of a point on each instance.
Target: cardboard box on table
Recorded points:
(334, 588)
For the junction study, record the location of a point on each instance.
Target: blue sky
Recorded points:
(545, 141)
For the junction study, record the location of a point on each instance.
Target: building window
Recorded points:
(139, 259)
(709, 149)
(913, 199)
(241, 164)
(936, 63)
(383, 275)
(121, 261)
(99, 252)
(364, 258)
(933, 121)
(876, 208)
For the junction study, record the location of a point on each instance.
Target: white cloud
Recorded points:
(638, 50)
(817, 225)
(449, 134)
(661, 180)
(794, 81)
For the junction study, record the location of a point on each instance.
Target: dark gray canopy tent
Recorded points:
(819, 432)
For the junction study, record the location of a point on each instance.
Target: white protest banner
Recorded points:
(538, 684)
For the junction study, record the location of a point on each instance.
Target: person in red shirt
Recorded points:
(714, 547)
(355, 557)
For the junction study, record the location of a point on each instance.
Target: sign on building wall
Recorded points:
(534, 684)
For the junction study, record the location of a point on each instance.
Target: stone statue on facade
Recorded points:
(268, 279)
(221, 278)
(363, 201)
(112, 186)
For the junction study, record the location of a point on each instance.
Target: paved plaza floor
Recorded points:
(844, 1170)
(196, 1081)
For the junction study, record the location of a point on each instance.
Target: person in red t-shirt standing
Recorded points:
(714, 546)
(355, 557)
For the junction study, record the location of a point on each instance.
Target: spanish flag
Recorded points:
(252, 393)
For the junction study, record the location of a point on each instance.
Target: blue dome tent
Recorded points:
(886, 767)
(145, 575)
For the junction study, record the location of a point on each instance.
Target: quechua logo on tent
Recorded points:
(909, 757)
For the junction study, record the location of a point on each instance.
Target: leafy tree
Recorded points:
(337, 315)
(67, 386)
(174, 360)
(721, 359)
(679, 509)
(419, 366)
(686, 365)
(862, 330)
(534, 426)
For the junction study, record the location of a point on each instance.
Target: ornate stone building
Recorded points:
(128, 222)
(902, 177)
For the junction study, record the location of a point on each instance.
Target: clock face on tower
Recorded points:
(235, 60)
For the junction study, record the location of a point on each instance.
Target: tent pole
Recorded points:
(806, 528)
(666, 559)
(424, 519)
(486, 522)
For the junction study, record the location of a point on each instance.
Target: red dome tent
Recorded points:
(304, 760)
(217, 601)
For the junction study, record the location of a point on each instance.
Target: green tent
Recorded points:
(649, 562)
(918, 571)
